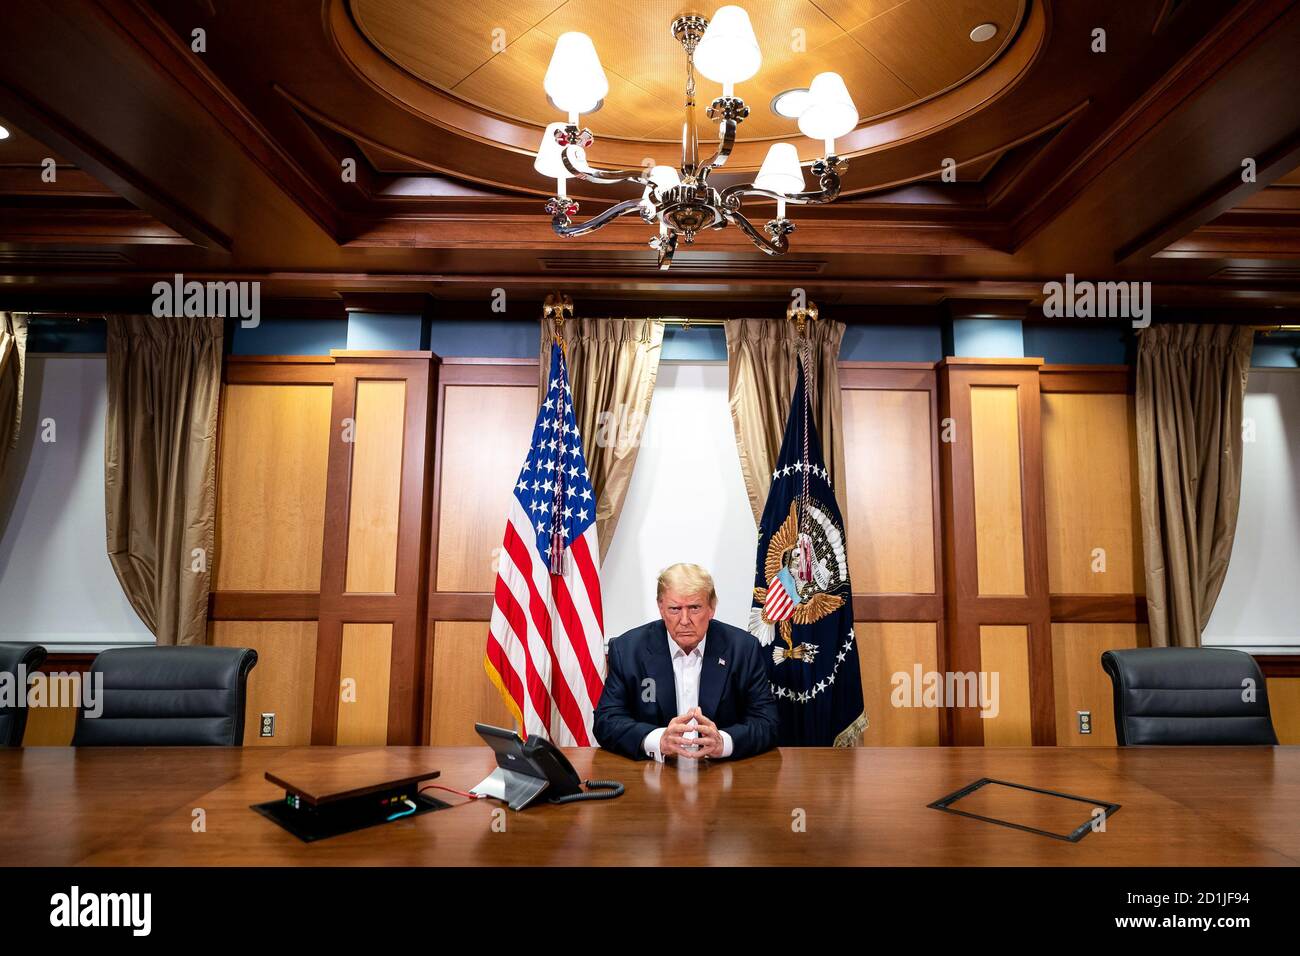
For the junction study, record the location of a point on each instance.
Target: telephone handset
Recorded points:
(536, 768)
(565, 784)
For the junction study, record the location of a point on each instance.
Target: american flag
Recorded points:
(545, 647)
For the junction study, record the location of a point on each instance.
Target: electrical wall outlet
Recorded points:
(1085, 721)
(268, 726)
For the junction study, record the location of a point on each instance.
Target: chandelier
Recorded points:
(680, 201)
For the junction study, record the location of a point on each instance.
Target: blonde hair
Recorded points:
(685, 579)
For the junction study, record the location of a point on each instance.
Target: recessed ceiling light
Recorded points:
(790, 103)
(985, 31)
(4, 133)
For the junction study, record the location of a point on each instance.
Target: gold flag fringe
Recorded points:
(851, 736)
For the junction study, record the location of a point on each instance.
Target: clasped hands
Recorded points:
(675, 743)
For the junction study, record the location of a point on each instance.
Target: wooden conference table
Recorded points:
(1180, 806)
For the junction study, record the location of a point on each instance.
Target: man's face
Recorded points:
(686, 616)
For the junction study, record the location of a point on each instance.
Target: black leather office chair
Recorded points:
(1188, 695)
(168, 696)
(13, 720)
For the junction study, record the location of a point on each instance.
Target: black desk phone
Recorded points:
(537, 768)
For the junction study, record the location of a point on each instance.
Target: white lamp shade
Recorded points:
(728, 52)
(830, 113)
(780, 172)
(575, 81)
(664, 178)
(549, 162)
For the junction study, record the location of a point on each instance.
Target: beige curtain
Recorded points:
(762, 356)
(13, 368)
(1191, 383)
(160, 463)
(613, 365)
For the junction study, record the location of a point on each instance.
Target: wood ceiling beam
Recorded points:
(1172, 160)
(810, 238)
(1220, 198)
(109, 86)
(40, 225)
(651, 284)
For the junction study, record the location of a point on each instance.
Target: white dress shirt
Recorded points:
(687, 671)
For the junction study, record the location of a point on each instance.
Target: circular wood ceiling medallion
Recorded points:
(492, 54)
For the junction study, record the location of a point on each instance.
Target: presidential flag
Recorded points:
(803, 602)
(545, 647)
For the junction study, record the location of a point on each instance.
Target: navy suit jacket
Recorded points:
(734, 690)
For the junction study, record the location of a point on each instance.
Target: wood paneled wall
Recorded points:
(1044, 548)
(896, 659)
(484, 423)
(992, 525)
(1005, 704)
(1094, 539)
(283, 681)
(892, 514)
(1081, 684)
(996, 463)
(996, 554)
(460, 694)
(993, 534)
(345, 484)
(991, 510)
(375, 531)
(271, 492)
(1284, 702)
(321, 533)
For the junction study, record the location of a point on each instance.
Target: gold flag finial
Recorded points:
(556, 308)
(802, 316)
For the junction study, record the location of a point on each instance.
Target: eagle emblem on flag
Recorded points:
(805, 565)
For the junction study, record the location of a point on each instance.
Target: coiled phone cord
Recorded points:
(596, 790)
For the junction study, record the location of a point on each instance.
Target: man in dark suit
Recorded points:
(686, 685)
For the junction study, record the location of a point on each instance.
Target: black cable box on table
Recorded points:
(325, 799)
